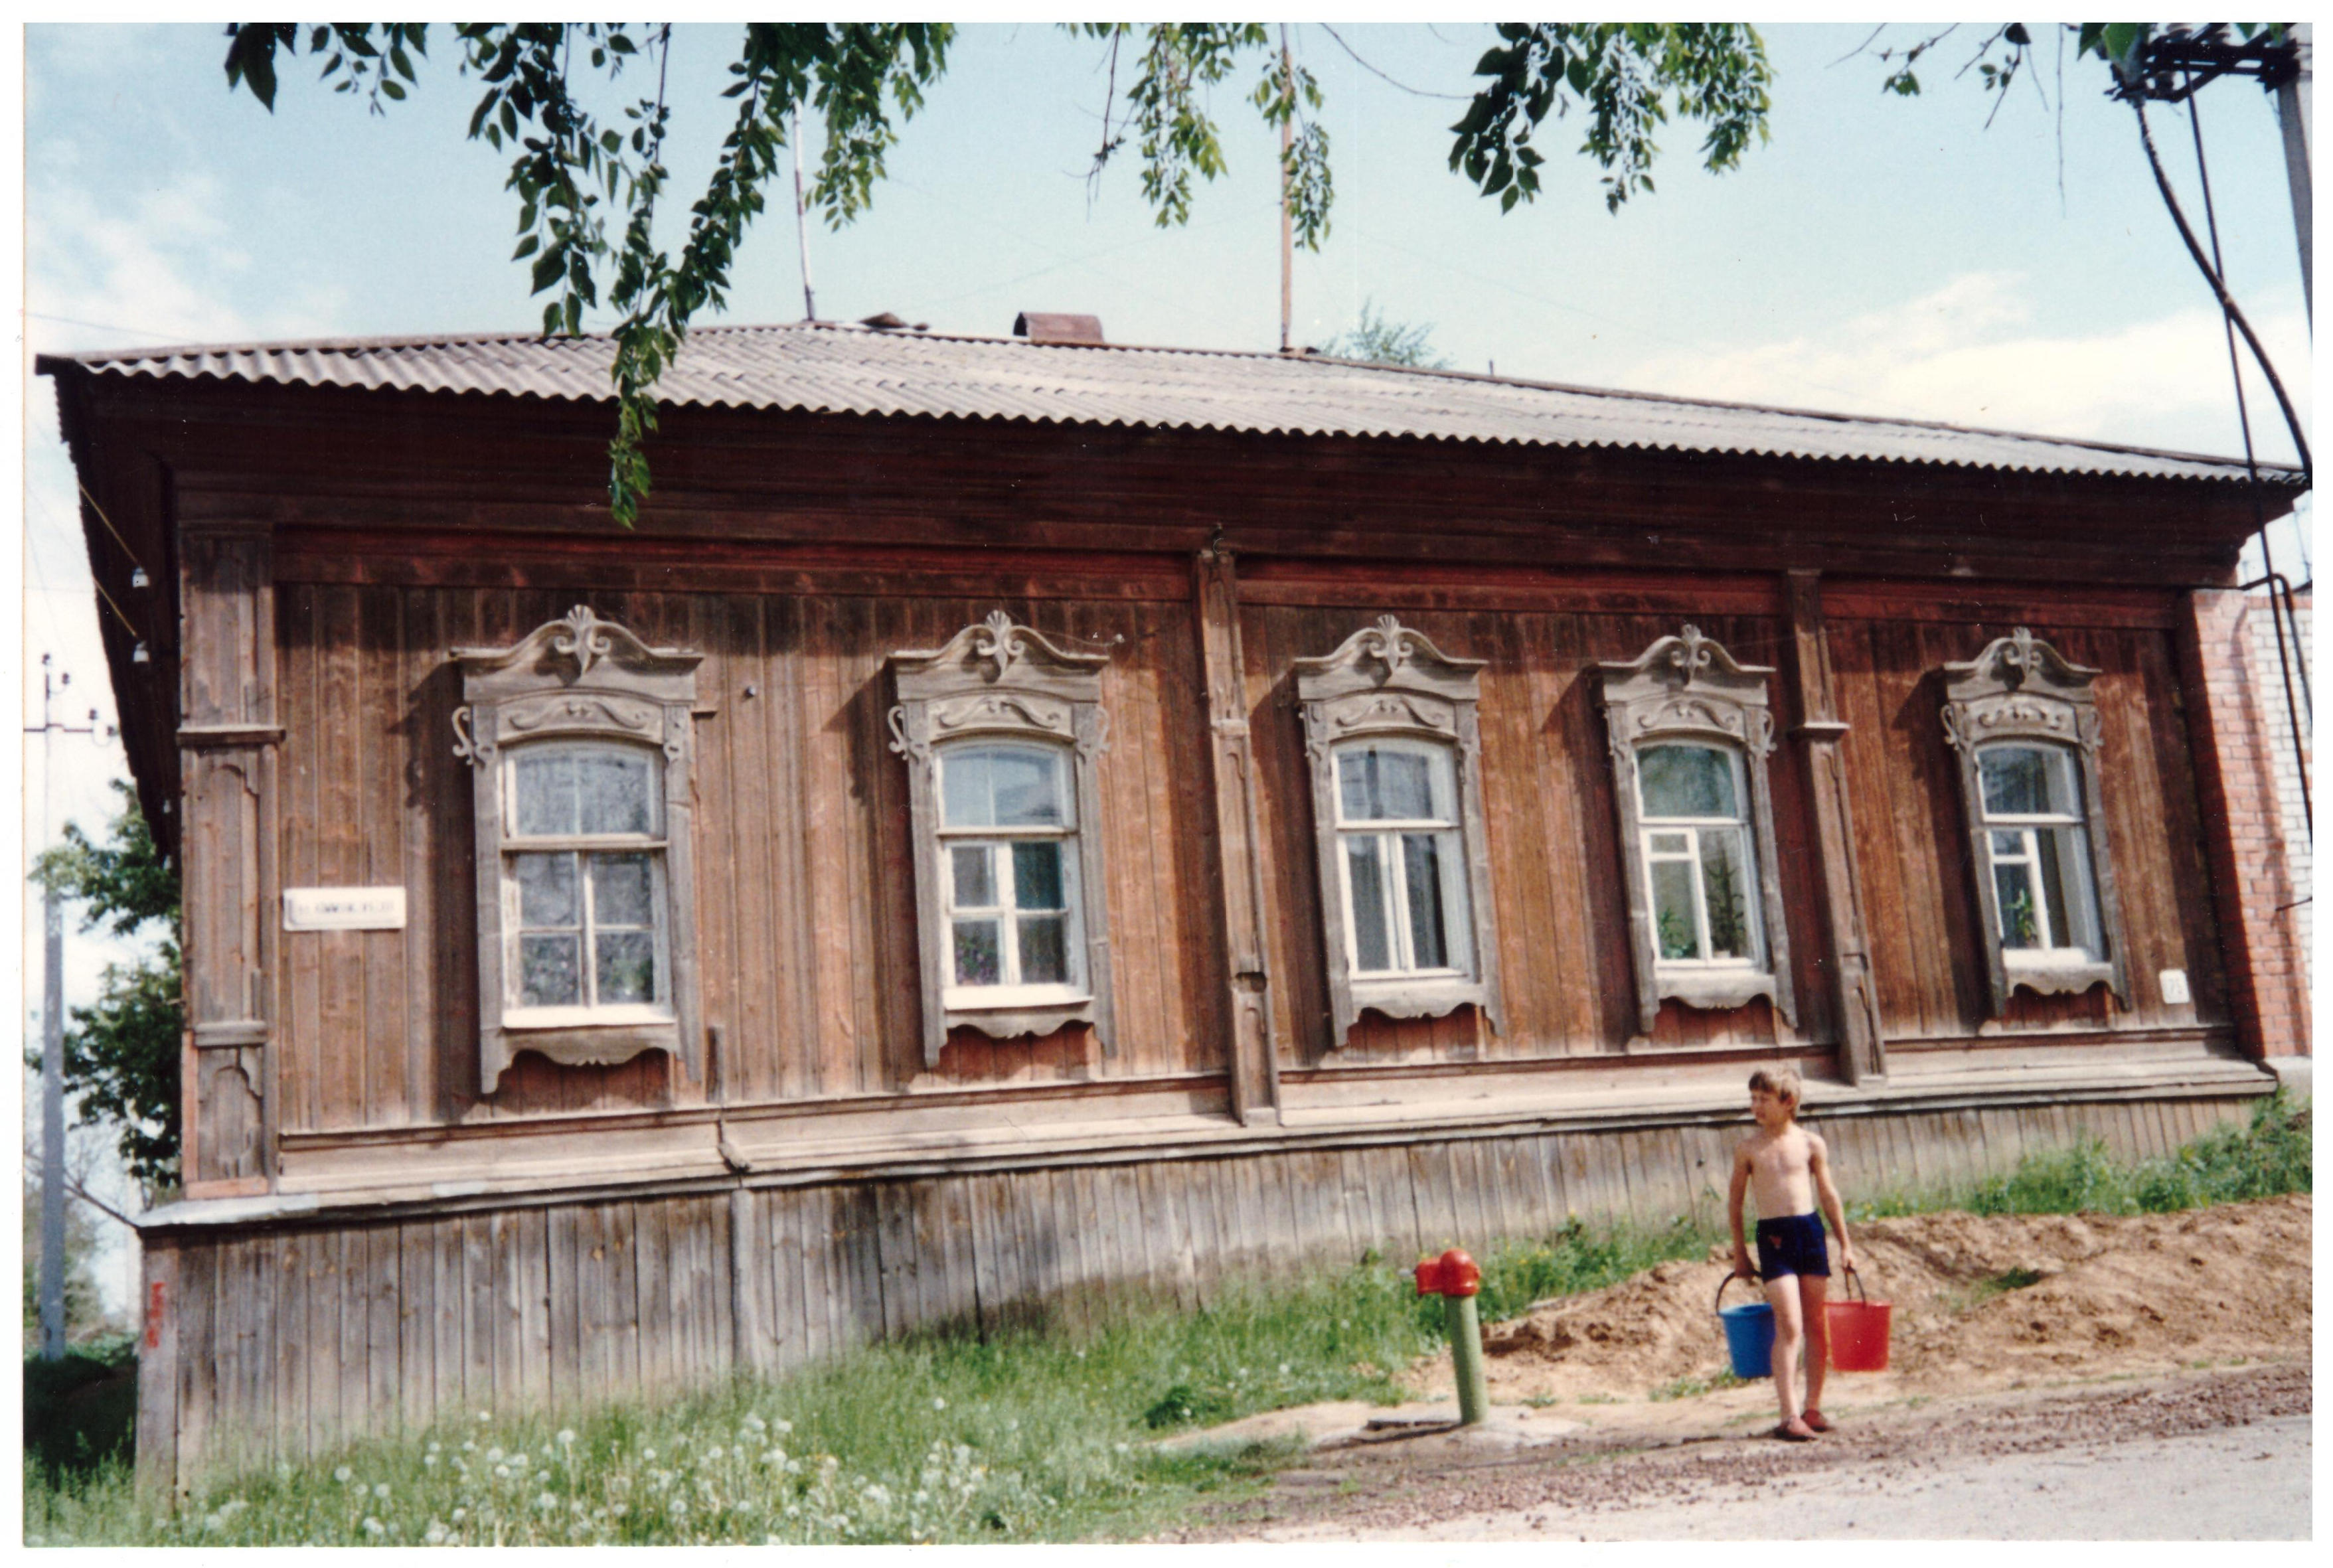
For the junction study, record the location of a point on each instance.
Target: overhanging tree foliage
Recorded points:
(121, 1055)
(587, 190)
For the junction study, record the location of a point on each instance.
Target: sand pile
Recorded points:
(1980, 1301)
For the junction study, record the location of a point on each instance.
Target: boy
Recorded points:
(1791, 1170)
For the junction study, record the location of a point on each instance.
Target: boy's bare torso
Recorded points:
(1781, 1172)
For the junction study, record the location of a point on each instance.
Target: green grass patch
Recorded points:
(79, 1410)
(1691, 1388)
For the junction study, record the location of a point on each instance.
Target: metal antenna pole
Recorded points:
(801, 222)
(53, 1044)
(2293, 118)
(1287, 230)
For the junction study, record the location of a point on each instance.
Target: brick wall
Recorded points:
(2288, 754)
(2252, 883)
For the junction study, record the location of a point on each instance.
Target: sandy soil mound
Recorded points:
(1980, 1301)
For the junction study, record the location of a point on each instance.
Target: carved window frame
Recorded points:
(1686, 688)
(2021, 689)
(1389, 681)
(998, 681)
(580, 678)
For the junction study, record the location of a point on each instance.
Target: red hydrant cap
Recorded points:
(1452, 1274)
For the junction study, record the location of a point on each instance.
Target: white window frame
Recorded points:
(1011, 991)
(1389, 685)
(1650, 827)
(997, 681)
(1384, 834)
(2023, 691)
(1687, 690)
(653, 844)
(580, 679)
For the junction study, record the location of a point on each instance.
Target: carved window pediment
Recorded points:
(2023, 723)
(1001, 730)
(580, 746)
(1391, 732)
(1691, 734)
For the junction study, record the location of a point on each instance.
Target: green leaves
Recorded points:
(1626, 75)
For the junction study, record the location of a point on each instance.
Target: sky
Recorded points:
(1880, 255)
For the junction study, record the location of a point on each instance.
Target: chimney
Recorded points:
(1051, 327)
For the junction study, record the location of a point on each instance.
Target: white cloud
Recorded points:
(1965, 355)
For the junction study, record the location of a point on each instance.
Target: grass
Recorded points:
(1692, 1388)
(1034, 1434)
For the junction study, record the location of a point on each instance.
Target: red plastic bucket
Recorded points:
(1858, 1330)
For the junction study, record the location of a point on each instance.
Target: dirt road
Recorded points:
(2205, 1456)
(2053, 1378)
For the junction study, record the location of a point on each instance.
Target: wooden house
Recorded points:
(1019, 817)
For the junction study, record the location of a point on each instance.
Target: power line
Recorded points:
(1381, 76)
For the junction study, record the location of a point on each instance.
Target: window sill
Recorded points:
(2053, 975)
(1007, 1019)
(1713, 989)
(1417, 996)
(534, 1019)
(999, 998)
(596, 1044)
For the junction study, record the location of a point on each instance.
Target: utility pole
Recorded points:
(801, 221)
(52, 1042)
(2292, 118)
(1287, 230)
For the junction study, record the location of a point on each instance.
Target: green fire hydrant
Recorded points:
(1455, 1279)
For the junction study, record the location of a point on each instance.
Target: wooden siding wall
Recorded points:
(1555, 853)
(1912, 840)
(289, 1343)
(806, 926)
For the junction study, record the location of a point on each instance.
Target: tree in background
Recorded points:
(84, 1308)
(587, 190)
(1383, 342)
(121, 1055)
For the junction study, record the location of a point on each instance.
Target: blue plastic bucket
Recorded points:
(1749, 1334)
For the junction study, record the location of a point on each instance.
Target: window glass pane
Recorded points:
(976, 879)
(1371, 950)
(1028, 788)
(626, 972)
(1726, 892)
(2029, 780)
(2065, 879)
(1044, 951)
(977, 960)
(1671, 843)
(1381, 784)
(2021, 916)
(2009, 845)
(1421, 869)
(1686, 781)
(966, 799)
(546, 891)
(542, 790)
(612, 788)
(548, 975)
(623, 891)
(1037, 876)
(1674, 926)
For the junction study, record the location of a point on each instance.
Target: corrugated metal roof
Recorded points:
(835, 369)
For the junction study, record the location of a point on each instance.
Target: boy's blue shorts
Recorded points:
(1792, 1244)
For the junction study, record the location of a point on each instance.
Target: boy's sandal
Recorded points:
(1792, 1432)
(1816, 1420)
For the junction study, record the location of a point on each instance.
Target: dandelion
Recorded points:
(566, 1437)
(495, 1455)
(469, 1447)
(428, 1462)
(544, 1502)
(343, 1474)
(713, 1453)
(648, 1454)
(1283, 1369)
(502, 1472)
(484, 1416)
(756, 1422)
(1125, 1447)
(214, 1522)
(435, 1535)
(784, 1426)
(374, 1527)
(380, 1489)
(433, 1449)
(459, 1515)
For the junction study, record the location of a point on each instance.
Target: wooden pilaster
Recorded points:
(227, 741)
(1847, 947)
(1255, 1065)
